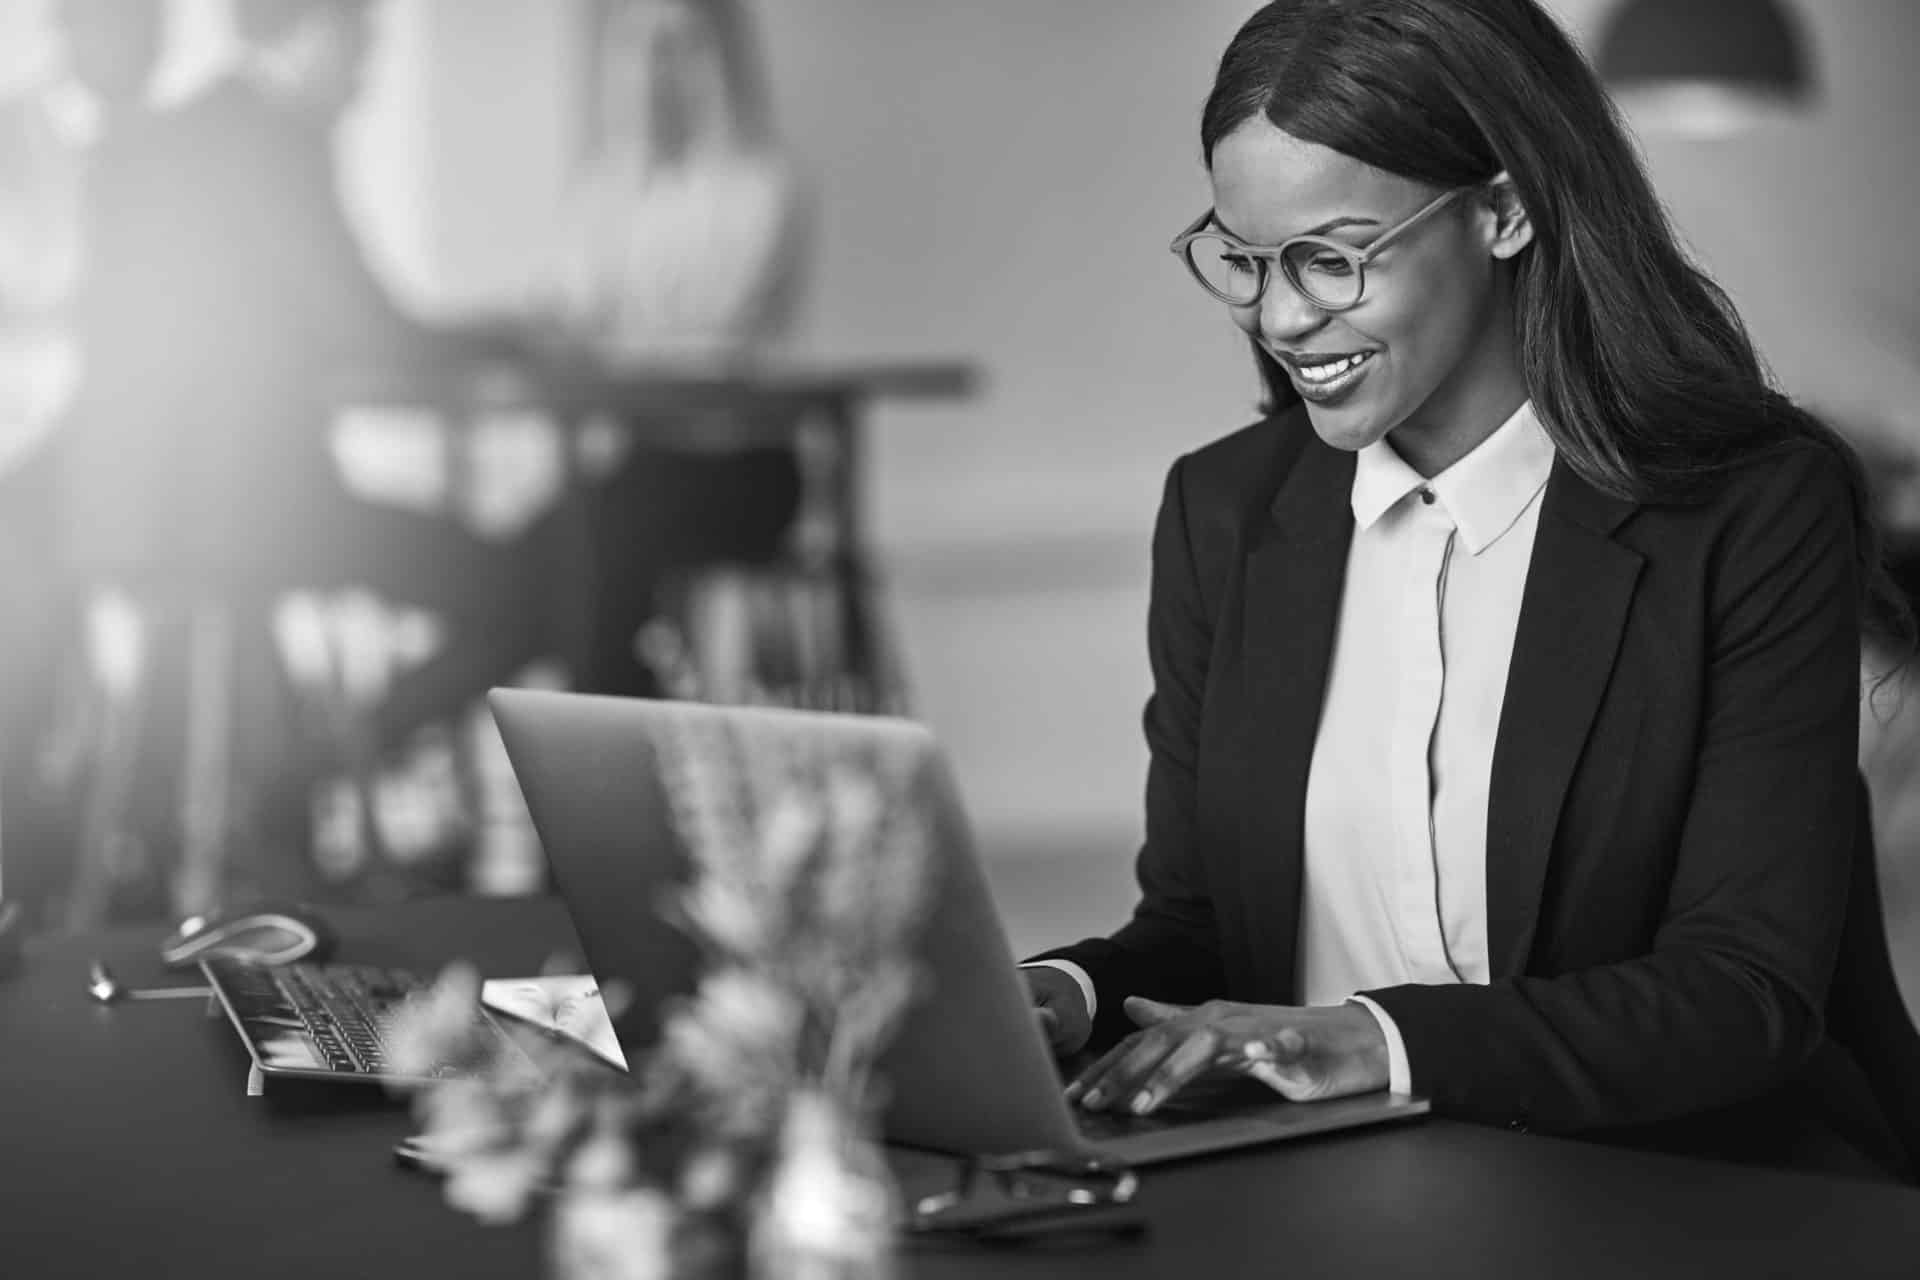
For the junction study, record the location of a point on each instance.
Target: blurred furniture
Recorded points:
(219, 709)
(832, 649)
(193, 744)
(122, 1124)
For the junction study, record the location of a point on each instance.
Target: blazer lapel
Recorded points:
(1295, 568)
(1572, 612)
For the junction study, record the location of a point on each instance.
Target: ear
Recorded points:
(1509, 228)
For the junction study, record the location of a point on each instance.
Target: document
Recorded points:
(567, 1005)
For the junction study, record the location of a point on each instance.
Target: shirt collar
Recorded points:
(1484, 492)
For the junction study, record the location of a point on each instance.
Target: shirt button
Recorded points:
(1426, 496)
(1518, 1126)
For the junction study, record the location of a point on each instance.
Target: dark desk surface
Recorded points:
(127, 1147)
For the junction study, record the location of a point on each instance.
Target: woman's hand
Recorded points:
(1304, 1054)
(1061, 1008)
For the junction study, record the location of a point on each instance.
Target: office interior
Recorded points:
(1007, 226)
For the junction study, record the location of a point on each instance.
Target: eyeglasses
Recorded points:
(1330, 275)
(1028, 1195)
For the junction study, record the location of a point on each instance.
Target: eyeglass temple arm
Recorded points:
(1434, 206)
(1194, 228)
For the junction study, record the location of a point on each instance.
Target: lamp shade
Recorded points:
(1706, 66)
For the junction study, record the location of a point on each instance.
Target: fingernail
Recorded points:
(1094, 1097)
(1073, 1091)
(1142, 1102)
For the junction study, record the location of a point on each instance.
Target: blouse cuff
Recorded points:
(1080, 978)
(1399, 1074)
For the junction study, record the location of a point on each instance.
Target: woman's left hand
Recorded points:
(1303, 1053)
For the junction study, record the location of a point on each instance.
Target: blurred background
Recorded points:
(356, 355)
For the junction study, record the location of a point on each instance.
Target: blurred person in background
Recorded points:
(226, 308)
(71, 151)
(683, 239)
(229, 307)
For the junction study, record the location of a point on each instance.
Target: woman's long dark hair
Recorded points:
(1637, 364)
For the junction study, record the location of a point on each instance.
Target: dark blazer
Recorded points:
(1674, 795)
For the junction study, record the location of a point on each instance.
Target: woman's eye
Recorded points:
(1329, 264)
(1238, 263)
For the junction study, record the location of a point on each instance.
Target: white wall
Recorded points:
(999, 180)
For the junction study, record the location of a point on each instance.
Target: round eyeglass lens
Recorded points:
(1322, 273)
(1225, 268)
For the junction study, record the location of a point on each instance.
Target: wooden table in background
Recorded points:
(818, 404)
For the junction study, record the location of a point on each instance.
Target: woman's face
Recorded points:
(1438, 357)
(662, 70)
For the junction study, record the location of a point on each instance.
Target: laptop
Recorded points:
(969, 1070)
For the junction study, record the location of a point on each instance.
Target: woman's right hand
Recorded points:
(1061, 1008)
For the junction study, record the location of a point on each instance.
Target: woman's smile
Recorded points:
(1327, 380)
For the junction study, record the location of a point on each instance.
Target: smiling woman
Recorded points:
(1506, 671)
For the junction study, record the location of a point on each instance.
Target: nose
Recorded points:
(1282, 315)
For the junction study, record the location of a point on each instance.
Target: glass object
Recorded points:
(1026, 1192)
(1327, 273)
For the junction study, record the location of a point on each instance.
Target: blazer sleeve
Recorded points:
(1169, 950)
(1727, 1004)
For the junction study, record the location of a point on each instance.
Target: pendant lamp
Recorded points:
(1706, 68)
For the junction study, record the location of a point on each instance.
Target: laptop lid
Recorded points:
(969, 1070)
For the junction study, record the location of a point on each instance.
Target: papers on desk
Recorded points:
(567, 1005)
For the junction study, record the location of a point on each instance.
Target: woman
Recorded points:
(683, 235)
(1506, 674)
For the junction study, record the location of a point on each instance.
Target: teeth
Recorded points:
(1328, 372)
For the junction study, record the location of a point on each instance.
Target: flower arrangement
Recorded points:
(743, 1144)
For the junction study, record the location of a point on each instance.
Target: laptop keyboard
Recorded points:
(342, 1012)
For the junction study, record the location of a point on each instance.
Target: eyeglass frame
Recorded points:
(1272, 257)
(1083, 1183)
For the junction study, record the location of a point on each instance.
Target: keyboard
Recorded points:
(324, 1021)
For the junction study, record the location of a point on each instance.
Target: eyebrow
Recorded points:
(1332, 224)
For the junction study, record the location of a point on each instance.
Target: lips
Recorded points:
(1323, 378)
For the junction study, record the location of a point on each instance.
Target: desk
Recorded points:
(813, 403)
(128, 1148)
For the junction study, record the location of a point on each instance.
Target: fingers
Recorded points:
(1189, 1058)
(1280, 1060)
(1084, 1083)
(1113, 1075)
(1178, 1045)
(1302, 1054)
(1146, 1069)
(1151, 1013)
